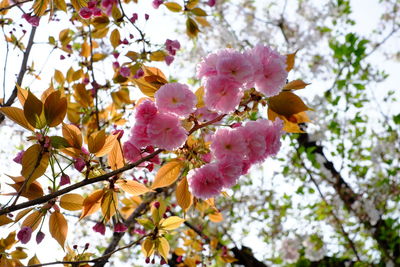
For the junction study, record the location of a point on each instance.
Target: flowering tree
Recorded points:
(161, 164)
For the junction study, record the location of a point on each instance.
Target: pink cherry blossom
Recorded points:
(145, 112)
(131, 152)
(172, 46)
(204, 114)
(33, 20)
(166, 132)
(175, 98)
(64, 179)
(222, 94)
(120, 227)
(211, 3)
(24, 235)
(208, 66)
(79, 164)
(254, 135)
(205, 182)
(270, 70)
(273, 136)
(230, 170)
(85, 13)
(39, 237)
(234, 65)
(229, 143)
(139, 136)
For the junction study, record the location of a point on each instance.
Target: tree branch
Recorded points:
(21, 73)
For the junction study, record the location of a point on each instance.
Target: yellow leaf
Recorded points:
(116, 157)
(39, 7)
(4, 4)
(82, 96)
(148, 247)
(58, 227)
(22, 94)
(17, 115)
(101, 22)
(73, 135)
(200, 97)
(22, 214)
(108, 145)
(35, 189)
(46, 93)
(33, 220)
(61, 5)
(115, 38)
(203, 22)
(192, 4)
(192, 29)
(78, 4)
(179, 251)
(109, 205)
(33, 111)
(290, 61)
(99, 33)
(174, 7)
(5, 220)
(85, 51)
(92, 203)
(132, 187)
(183, 197)
(216, 217)
(295, 85)
(157, 56)
(98, 57)
(163, 248)
(18, 253)
(171, 223)
(287, 104)
(34, 260)
(34, 163)
(59, 77)
(71, 202)
(167, 174)
(55, 108)
(8, 242)
(198, 12)
(96, 141)
(228, 259)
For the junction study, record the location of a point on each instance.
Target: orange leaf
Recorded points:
(33, 111)
(163, 248)
(55, 108)
(33, 220)
(216, 217)
(35, 189)
(115, 38)
(295, 85)
(82, 96)
(34, 163)
(167, 174)
(46, 93)
(109, 205)
(287, 104)
(290, 61)
(148, 247)
(92, 203)
(73, 135)
(132, 187)
(17, 115)
(71, 202)
(108, 145)
(96, 141)
(288, 126)
(58, 227)
(85, 52)
(115, 157)
(5, 220)
(183, 197)
(22, 214)
(22, 94)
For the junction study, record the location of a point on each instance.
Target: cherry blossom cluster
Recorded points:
(158, 124)
(234, 151)
(227, 73)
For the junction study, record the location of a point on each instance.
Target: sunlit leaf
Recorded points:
(115, 38)
(171, 223)
(215, 217)
(148, 247)
(33, 111)
(192, 29)
(96, 141)
(55, 109)
(33, 220)
(116, 157)
(4, 219)
(287, 104)
(39, 7)
(73, 135)
(183, 197)
(167, 174)
(132, 187)
(295, 85)
(91, 204)
(34, 163)
(17, 115)
(174, 7)
(109, 205)
(58, 227)
(109, 143)
(71, 202)
(34, 260)
(290, 58)
(163, 248)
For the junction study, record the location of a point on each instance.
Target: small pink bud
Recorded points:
(120, 228)
(139, 73)
(62, 57)
(125, 71)
(115, 65)
(65, 180)
(79, 164)
(87, 246)
(39, 237)
(157, 3)
(168, 60)
(147, 260)
(75, 246)
(99, 228)
(18, 158)
(156, 204)
(150, 167)
(236, 125)
(146, 16)
(162, 261)
(85, 13)
(179, 259)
